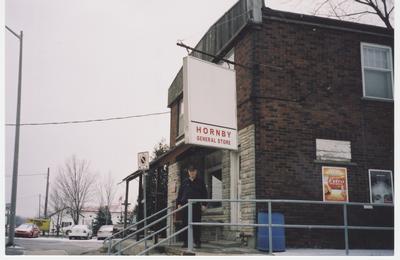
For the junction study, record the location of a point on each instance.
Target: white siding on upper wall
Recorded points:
(333, 150)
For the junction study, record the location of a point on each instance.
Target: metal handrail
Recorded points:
(146, 227)
(346, 227)
(140, 241)
(151, 224)
(190, 225)
(290, 226)
(135, 224)
(164, 240)
(296, 201)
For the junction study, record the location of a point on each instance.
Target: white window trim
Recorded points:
(362, 44)
(369, 180)
(180, 135)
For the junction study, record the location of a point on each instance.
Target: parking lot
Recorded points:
(54, 246)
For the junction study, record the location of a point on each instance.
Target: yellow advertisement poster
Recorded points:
(43, 224)
(334, 181)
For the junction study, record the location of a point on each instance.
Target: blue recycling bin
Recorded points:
(278, 233)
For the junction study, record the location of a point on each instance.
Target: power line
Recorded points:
(89, 120)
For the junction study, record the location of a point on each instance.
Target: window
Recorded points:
(377, 71)
(66, 224)
(333, 150)
(180, 123)
(380, 186)
(229, 56)
(213, 176)
(214, 187)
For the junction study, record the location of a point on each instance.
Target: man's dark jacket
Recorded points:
(195, 189)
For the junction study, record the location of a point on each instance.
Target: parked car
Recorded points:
(66, 230)
(27, 230)
(105, 231)
(80, 231)
(120, 227)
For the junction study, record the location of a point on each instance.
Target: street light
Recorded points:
(11, 229)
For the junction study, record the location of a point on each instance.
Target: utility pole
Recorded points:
(47, 193)
(11, 232)
(126, 205)
(40, 197)
(46, 199)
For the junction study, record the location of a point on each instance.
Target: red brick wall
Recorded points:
(244, 79)
(312, 60)
(315, 60)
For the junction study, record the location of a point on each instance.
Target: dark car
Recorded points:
(27, 230)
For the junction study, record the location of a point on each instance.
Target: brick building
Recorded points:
(311, 93)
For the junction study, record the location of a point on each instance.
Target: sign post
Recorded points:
(143, 164)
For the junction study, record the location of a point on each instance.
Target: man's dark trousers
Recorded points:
(196, 217)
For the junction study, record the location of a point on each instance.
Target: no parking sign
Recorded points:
(143, 161)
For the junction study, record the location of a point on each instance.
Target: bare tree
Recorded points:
(355, 9)
(75, 185)
(106, 193)
(57, 206)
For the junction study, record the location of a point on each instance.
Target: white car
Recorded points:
(66, 230)
(105, 231)
(80, 231)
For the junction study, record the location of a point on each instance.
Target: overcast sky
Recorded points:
(89, 59)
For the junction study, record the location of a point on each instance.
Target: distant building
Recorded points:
(314, 107)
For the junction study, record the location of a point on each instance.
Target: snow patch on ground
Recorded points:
(334, 252)
(63, 239)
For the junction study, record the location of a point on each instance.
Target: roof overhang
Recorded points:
(132, 176)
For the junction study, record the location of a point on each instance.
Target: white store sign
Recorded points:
(209, 96)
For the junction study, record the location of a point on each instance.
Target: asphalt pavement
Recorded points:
(63, 246)
(53, 246)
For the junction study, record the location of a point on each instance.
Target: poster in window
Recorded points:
(381, 188)
(335, 186)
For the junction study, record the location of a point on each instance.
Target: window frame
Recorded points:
(319, 155)
(178, 121)
(230, 55)
(208, 174)
(370, 188)
(366, 44)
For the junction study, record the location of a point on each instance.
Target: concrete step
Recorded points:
(132, 250)
(225, 243)
(220, 247)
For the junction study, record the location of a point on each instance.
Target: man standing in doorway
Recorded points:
(192, 187)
